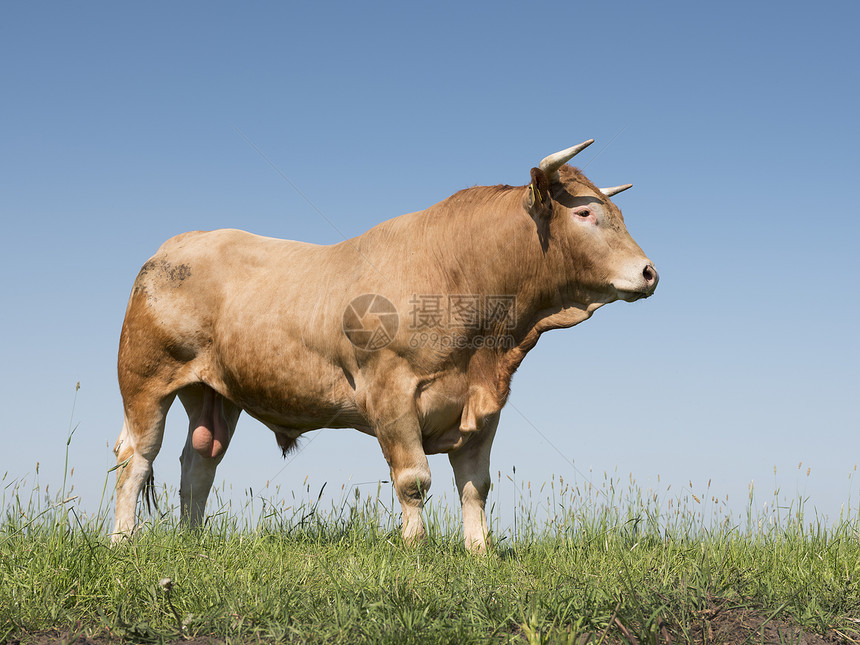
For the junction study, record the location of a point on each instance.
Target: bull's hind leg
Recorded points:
(136, 449)
(471, 465)
(211, 422)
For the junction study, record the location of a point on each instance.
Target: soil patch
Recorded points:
(737, 625)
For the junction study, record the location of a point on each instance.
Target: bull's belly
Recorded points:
(275, 378)
(288, 402)
(293, 416)
(440, 433)
(293, 412)
(304, 418)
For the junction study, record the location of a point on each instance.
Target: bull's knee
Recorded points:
(412, 484)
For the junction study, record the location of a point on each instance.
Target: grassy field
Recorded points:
(608, 564)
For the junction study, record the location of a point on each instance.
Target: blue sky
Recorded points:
(123, 125)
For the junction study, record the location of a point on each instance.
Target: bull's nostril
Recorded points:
(648, 273)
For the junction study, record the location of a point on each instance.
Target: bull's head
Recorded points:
(585, 233)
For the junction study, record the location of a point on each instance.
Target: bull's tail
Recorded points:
(149, 494)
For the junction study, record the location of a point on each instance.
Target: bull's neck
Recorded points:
(499, 251)
(491, 245)
(515, 257)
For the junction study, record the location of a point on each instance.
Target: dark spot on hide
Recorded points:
(175, 274)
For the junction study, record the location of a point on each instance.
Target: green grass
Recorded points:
(598, 561)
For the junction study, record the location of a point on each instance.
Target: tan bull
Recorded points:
(410, 332)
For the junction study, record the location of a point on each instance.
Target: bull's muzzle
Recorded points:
(640, 284)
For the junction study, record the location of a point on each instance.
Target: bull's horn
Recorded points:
(614, 190)
(551, 164)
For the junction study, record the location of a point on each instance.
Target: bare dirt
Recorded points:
(742, 625)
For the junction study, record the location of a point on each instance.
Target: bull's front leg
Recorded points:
(399, 433)
(410, 472)
(471, 465)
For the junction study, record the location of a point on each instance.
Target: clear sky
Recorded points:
(124, 124)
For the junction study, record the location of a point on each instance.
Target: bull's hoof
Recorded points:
(476, 548)
(414, 538)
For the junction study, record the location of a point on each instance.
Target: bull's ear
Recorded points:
(539, 203)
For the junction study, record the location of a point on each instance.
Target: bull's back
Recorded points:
(195, 277)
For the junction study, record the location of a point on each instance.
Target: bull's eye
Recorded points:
(584, 213)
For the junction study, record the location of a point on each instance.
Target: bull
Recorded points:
(410, 332)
